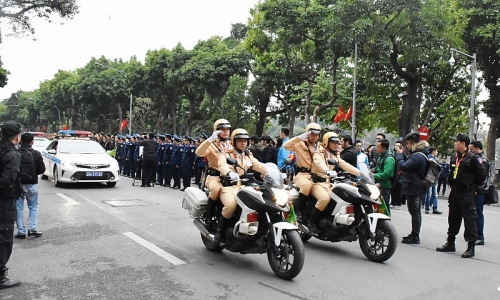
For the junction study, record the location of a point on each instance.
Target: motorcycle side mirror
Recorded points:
(231, 161)
(288, 161)
(333, 162)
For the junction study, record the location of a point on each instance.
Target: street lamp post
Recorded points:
(59, 114)
(123, 74)
(472, 89)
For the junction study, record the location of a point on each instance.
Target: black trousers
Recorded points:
(396, 194)
(197, 176)
(7, 218)
(414, 203)
(186, 176)
(148, 169)
(168, 174)
(462, 205)
(442, 181)
(176, 173)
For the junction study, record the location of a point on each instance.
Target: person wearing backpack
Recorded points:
(31, 166)
(431, 195)
(466, 173)
(269, 154)
(481, 190)
(10, 191)
(384, 170)
(414, 168)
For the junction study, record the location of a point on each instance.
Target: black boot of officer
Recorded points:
(301, 201)
(449, 246)
(209, 212)
(220, 232)
(313, 223)
(470, 250)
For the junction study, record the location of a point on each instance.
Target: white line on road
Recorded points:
(155, 249)
(70, 201)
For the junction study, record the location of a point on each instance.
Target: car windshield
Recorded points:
(81, 148)
(41, 143)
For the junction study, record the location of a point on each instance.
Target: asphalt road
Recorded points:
(130, 242)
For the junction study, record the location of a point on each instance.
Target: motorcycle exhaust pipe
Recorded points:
(201, 227)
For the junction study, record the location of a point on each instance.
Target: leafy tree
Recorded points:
(3, 75)
(17, 14)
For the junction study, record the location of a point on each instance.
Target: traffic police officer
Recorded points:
(160, 167)
(466, 173)
(125, 151)
(167, 156)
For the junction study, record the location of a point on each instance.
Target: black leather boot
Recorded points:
(5, 282)
(219, 233)
(470, 250)
(313, 223)
(209, 212)
(299, 207)
(449, 246)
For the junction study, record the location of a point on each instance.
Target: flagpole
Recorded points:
(353, 124)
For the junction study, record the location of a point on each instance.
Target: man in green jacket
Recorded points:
(384, 169)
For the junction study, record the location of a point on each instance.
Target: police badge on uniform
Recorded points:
(480, 159)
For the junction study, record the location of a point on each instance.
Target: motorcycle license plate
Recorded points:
(187, 207)
(93, 174)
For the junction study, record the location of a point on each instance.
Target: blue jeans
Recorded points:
(31, 191)
(480, 216)
(431, 196)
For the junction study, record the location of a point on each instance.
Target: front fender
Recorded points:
(373, 219)
(279, 227)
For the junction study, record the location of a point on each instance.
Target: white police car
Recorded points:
(73, 161)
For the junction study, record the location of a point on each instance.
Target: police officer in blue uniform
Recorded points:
(175, 162)
(199, 162)
(131, 156)
(119, 150)
(160, 166)
(187, 162)
(125, 151)
(137, 159)
(167, 156)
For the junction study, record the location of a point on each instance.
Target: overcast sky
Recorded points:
(115, 29)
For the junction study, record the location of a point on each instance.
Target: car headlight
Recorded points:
(68, 165)
(281, 196)
(374, 191)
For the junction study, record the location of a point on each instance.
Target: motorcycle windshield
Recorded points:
(367, 177)
(273, 176)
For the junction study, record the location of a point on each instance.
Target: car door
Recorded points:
(50, 157)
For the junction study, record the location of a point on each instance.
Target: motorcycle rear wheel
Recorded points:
(287, 259)
(383, 246)
(210, 246)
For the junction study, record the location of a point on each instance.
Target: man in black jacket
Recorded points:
(10, 191)
(466, 174)
(413, 168)
(148, 160)
(31, 166)
(349, 153)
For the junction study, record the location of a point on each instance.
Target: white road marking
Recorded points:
(155, 249)
(70, 201)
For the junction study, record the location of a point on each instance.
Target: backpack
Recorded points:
(27, 170)
(432, 172)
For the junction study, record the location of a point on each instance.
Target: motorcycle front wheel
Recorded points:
(383, 245)
(287, 259)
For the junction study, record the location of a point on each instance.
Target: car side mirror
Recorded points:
(51, 151)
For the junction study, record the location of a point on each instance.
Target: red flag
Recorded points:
(348, 115)
(44, 128)
(340, 115)
(66, 127)
(124, 124)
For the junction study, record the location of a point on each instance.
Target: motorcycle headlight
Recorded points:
(281, 196)
(374, 191)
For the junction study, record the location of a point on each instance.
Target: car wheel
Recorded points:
(56, 178)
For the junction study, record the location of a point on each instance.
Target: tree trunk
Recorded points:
(291, 122)
(410, 110)
(307, 109)
(492, 137)
(261, 122)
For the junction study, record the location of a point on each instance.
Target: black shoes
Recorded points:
(411, 239)
(34, 233)
(6, 283)
(447, 247)
(20, 236)
(437, 212)
(469, 253)
(479, 242)
(182, 190)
